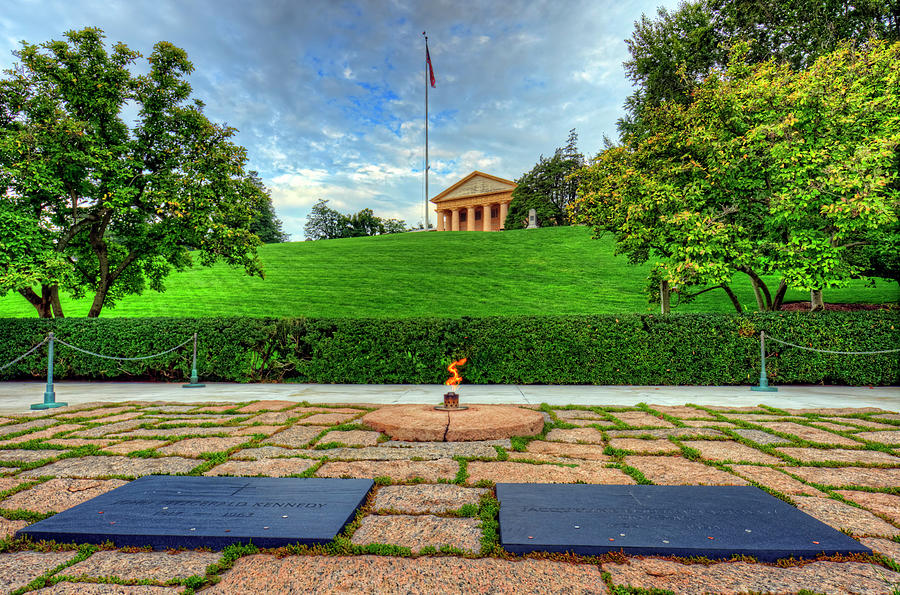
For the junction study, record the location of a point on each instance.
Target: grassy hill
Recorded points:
(539, 271)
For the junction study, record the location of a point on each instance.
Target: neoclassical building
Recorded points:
(478, 202)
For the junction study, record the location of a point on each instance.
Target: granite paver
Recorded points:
(28, 456)
(297, 436)
(885, 547)
(17, 569)
(60, 494)
(509, 471)
(418, 531)
(840, 455)
(575, 436)
(194, 447)
(8, 528)
(775, 480)
(128, 446)
(575, 451)
(396, 470)
(885, 436)
(678, 471)
(843, 516)
(742, 577)
(811, 434)
(267, 467)
(760, 437)
(174, 432)
(715, 450)
(848, 476)
(274, 417)
(878, 502)
(641, 419)
(351, 437)
(250, 430)
(68, 588)
(665, 433)
(327, 419)
(159, 566)
(374, 575)
(641, 446)
(115, 465)
(423, 498)
(267, 406)
(681, 411)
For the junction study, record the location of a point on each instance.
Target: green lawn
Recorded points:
(538, 271)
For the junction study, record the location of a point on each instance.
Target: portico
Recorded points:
(478, 202)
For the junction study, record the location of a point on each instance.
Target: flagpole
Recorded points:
(426, 133)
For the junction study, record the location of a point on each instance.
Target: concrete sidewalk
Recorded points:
(17, 397)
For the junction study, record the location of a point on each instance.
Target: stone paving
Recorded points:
(428, 525)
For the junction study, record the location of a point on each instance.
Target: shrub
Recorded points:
(680, 349)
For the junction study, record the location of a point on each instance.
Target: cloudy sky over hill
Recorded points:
(329, 96)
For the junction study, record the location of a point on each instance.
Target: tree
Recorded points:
(90, 204)
(548, 188)
(324, 223)
(265, 224)
(672, 53)
(768, 170)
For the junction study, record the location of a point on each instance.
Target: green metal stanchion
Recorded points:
(195, 381)
(763, 381)
(49, 395)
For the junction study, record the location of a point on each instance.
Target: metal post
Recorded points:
(195, 381)
(49, 394)
(763, 381)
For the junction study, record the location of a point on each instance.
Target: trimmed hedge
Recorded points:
(680, 349)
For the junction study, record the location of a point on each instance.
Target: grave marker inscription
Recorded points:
(189, 512)
(711, 521)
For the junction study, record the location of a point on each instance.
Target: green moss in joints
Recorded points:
(673, 420)
(502, 455)
(488, 511)
(634, 473)
(463, 473)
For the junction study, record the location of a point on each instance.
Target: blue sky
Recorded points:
(328, 97)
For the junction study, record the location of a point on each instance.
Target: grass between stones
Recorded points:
(487, 509)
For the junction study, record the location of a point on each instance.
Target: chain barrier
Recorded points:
(124, 359)
(771, 338)
(26, 354)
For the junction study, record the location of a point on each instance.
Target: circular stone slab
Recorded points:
(422, 423)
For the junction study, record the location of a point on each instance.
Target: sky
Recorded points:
(329, 97)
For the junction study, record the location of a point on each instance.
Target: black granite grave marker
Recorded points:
(189, 512)
(712, 521)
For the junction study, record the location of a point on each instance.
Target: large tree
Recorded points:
(672, 53)
(548, 188)
(768, 170)
(266, 224)
(91, 204)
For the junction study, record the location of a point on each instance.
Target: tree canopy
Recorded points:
(548, 188)
(768, 170)
(672, 53)
(325, 223)
(91, 204)
(265, 223)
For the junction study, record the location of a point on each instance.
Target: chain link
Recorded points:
(124, 359)
(24, 355)
(771, 338)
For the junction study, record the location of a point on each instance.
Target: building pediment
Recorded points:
(475, 184)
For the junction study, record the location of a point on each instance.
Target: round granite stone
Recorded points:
(479, 422)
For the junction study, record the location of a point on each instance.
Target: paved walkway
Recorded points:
(430, 524)
(18, 396)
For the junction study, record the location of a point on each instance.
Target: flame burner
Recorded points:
(451, 403)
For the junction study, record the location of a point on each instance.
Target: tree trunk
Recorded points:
(760, 290)
(664, 297)
(816, 304)
(779, 296)
(97, 304)
(734, 300)
(54, 302)
(42, 306)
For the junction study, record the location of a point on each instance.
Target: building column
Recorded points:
(454, 224)
(504, 210)
(486, 218)
(470, 219)
(440, 219)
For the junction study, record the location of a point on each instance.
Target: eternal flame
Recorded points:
(478, 202)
